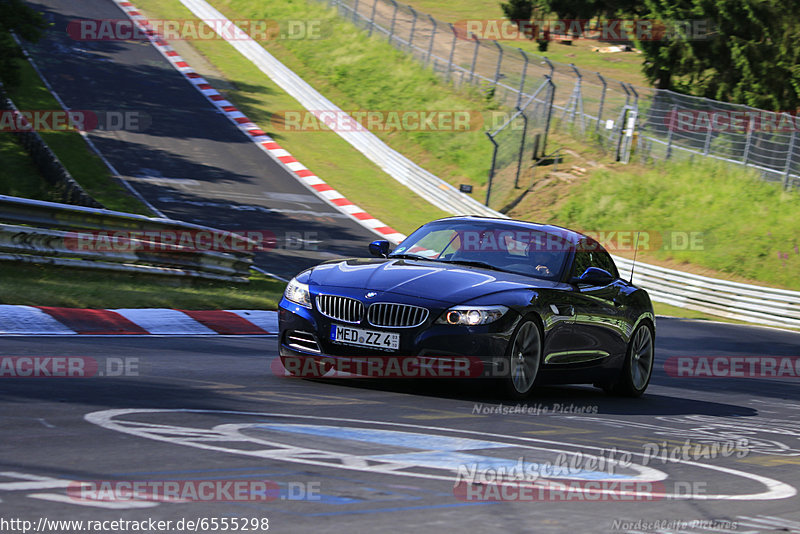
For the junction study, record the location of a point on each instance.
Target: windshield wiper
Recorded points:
(409, 257)
(474, 263)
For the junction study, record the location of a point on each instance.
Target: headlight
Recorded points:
(298, 293)
(472, 315)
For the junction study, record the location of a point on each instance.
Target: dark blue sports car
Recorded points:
(525, 303)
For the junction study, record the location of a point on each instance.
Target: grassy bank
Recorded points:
(39, 285)
(622, 66)
(745, 226)
(83, 164)
(18, 176)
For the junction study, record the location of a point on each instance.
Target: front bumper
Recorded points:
(442, 347)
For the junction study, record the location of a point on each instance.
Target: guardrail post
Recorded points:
(499, 62)
(413, 27)
(372, 18)
(474, 58)
(430, 44)
(522, 80)
(394, 18)
(491, 169)
(602, 101)
(452, 51)
(788, 166)
(355, 12)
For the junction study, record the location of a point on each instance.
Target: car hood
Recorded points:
(443, 282)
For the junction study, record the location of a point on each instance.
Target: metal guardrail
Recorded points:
(430, 187)
(34, 231)
(744, 302)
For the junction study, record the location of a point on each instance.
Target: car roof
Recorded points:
(568, 235)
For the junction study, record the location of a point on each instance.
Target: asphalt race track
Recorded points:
(695, 454)
(218, 409)
(187, 160)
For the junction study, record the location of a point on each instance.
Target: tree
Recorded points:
(747, 55)
(27, 24)
(517, 10)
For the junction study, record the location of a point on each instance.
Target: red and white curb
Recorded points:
(258, 136)
(49, 321)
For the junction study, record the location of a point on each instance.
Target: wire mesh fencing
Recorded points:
(628, 121)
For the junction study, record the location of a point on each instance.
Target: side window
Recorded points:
(601, 259)
(583, 260)
(590, 255)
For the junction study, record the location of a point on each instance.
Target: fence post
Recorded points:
(474, 58)
(578, 98)
(748, 140)
(394, 18)
(452, 51)
(499, 62)
(671, 126)
(551, 96)
(602, 102)
(430, 44)
(549, 64)
(707, 142)
(521, 145)
(372, 18)
(413, 27)
(491, 169)
(524, 73)
(355, 12)
(789, 153)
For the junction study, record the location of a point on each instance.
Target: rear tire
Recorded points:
(638, 367)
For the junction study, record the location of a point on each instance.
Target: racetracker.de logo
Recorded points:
(722, 121)
(195, 30)
(733, 366)
(563, 491)
(67, 367)
(379, 366)
(408, 120)
(607, 30)
(174, 490)
(170, 240)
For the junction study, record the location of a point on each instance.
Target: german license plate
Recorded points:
(365, 338)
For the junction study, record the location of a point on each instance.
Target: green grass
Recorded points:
(750, 228)
(18, 176)
(83, 164)
(45, 285)
(622, 66)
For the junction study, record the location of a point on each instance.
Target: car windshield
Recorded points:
(487, 244)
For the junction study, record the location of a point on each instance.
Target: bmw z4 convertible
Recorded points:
(527, 303)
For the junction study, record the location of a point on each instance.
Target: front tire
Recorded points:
(524, 356)
(638, 367)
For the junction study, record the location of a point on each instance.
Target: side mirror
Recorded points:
(594, 276)
(379, 249)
